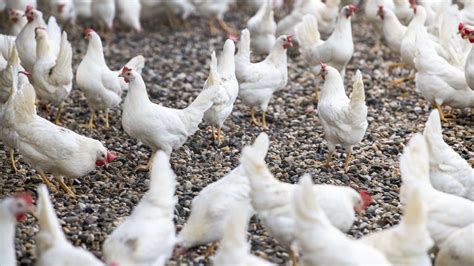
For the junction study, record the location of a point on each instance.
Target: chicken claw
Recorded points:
(65, 187)
(376, 47)
(48, 183)
(327, 164)
(400, 80)
(211, 249)
(441, 113)
(395, 65)
(147, 167)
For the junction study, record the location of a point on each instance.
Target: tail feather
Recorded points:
(244, 44)
(414, 167)
(307, 32)
(433, 126)
(54, 34)
(261, 144)
(62, 71)
(137, 63)
(254, 165)
(415, 212)
(48, 221)
(162, 180)
(358, 92)
(24, 103)
(305, 206)
(213, 77)
(227, 60)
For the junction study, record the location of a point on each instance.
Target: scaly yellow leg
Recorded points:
(91, 120)
(225, 27)
(65, 187)
(348, 160)
(327, 164)
(264, 119)
(219, 135)
(395, 65)
(213, 136)
(13, 161)
(441, 113)
(58, 115)
(212, 27)
(254, 119)
(292, 257)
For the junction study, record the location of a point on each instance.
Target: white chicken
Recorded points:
(262, 28)
(344, 119)
(234, 249)
(21, 4)
(52, 74)
(17, 20)
(214, 10)
(403, 11)
(12, 210)
(52, 247)
(101, 86)
(258, 81)
(336, 51)
(409, 242)
(449, 172)
(458, 248)
(148, 235)
(129, 13)
(319, 241)
(52, 149)
(159, 127)
(437, 81)
(207, 220)
(83, 8)
(287, 24)
(26, 41)
(271, 200)
(446, 213)
(103, 13)
(63, 10)
(222, 75)
(371, 10)
(10, 82)
(393, 30)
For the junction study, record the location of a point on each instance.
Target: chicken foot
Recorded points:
(211, 249)
(264, 119)
(400, 80)
(441, 112)
(147, 167)
(292, 257)
(395, 65)
(48, 183)
(254, 119)
(64, 186)
(377, 45)
(13, 161)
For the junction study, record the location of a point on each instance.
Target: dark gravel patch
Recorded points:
(176, 68)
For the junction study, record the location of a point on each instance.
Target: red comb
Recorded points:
(380, 7)
(25, 196)
(323, 66)
(460, 26)
(126, 69)
(352, 7)
(366, 198)
(28, 8)
(112, 263)
(88, 30)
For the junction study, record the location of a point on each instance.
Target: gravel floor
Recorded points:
(176, 68)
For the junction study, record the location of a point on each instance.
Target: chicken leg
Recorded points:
(292, 257)
(441, 112)
(213, 134)
(264, 119)
(212, 27)
(211, 249)
(254, 119)
(395, 65)
(219, 135)
(348, 160)
(48, 183)
(377, 45)
(316, 92)
(400, 80)
(65, 187)
(57, 121)
(225, 27)
(327, 164)
(106, 118)
(13, 161)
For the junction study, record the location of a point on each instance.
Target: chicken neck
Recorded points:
(95, 51)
